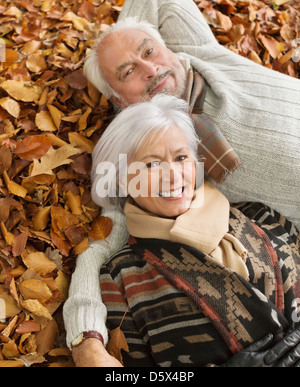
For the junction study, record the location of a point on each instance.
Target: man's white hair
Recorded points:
(92, 69)
(131, 128)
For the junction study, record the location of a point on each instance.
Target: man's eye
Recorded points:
(128, 73)
(149, 51)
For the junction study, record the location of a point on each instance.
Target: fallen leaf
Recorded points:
(41, 218)
(35, 289)
(116, 344)
(39, 263)
(45, 122)
(13, 187)
(101, 228)
(11, 106)
(28, 327)
(53, 159)
(36, 63)
(21, 91)
(32, 147)
(35, 307)
(81, 142)
(11, 363)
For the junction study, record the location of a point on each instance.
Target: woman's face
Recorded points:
(161, 175)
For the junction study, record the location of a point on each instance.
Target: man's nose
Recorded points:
(149, 69)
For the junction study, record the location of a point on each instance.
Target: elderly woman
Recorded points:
(198, 281)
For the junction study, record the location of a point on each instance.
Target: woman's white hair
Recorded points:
(92, 66)
(131, 128)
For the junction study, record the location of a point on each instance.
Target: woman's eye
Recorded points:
(181, 158)
(152, 164)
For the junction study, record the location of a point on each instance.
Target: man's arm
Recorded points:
(84, 310)
(191, 29)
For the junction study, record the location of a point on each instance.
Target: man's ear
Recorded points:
(118, 102)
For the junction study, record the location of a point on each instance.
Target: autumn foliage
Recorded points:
(50, 121)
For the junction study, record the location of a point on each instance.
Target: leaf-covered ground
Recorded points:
(50, 120)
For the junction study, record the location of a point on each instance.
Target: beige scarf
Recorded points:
(204, 226)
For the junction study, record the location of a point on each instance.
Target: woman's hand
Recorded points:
(92, 353)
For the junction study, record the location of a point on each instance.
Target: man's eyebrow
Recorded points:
(139, 49)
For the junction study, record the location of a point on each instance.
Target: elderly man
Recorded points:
(256, 109)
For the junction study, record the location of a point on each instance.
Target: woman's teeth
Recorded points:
(171, 194)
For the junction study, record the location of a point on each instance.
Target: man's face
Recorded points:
(137, 67)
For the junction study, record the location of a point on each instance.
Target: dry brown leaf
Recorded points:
(272, 45)
(35, 307)
(32, 147)
(11, 363)
(21, 91)
(36, 63)
(35, 289)
(28, 327)
(81, 142)
(101, 228)
(116, 344)
(39, 263)
(56, 115)
(10, 350)
(44, 122)
(11, 307)
(53, 159)
(11, 106)
(41, 218)
(45, 339)
(13, 187)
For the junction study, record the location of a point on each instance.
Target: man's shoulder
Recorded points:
(124, 256)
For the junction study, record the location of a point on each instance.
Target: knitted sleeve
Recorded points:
(191, 27)
(84, 311)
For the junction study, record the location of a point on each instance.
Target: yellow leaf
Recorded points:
(36, 63)
(8, 306)
(74, 202)
(35, 307)
(81, 142)
(21, 91)
(9, 237)
(35, 289)
(13, 187)
(56, 115)
(53, 159)
(116, 343)
(101, 228)
(11, 106)
(39, 263)
(83, 119)
(62, 281)
(41, 218)
(44, 122)
(11, 363)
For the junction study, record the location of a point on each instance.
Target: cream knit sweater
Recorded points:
(258, 111)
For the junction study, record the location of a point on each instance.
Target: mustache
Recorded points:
(157, 80)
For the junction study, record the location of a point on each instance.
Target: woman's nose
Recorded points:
(172, 174)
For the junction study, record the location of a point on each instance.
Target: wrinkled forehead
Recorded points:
(127, 39)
